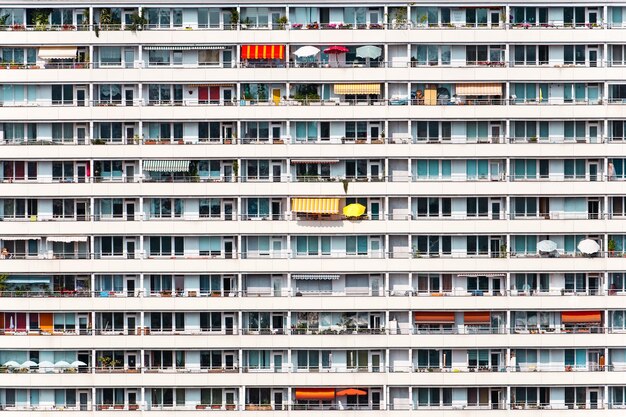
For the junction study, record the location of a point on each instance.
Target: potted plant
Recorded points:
(611, 244)
(234, 18)
(282, 22)
(137, 21)
(296, 25)
(200, 406)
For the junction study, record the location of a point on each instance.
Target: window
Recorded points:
(575, 396)
(256, 131)
(525, 206)
(525, 244)
(431, 55)
(159, 58)
(63, 94)
(110, 93)
(167, 321)
(111, 208)
(524, 169)
(160, 93)
(477, 131)
(258, 169)
(357, 359)
(210, 283)
(576, 283)
(313, 245)
(310, 359)
(355, 245)
(211, 321)
(477, 245)
(210, 245)
(64, 322)
(112, 245)
(209, 18)
(432, 245)
(477, 169)
(160, 283)
(306, 131)
(111, 321)
(356, 130)
(108, 131)
(111, 396)
(211, 359)
(356, 168)
(478, 358)
(618, 395)
(162, 245)
(431, 131)
(531, 55)
(432, 169)
(257, 207)
(574, 54)
(433, 397)
(477, 206)
(617, 282)
(110, 56)
(210, 207)
(618, 55)
(163, 397)
(211, 396)
(110, 283)
(428, 358)
(166, 207)
(619, 168)
(480, 283)
(64, 398)
(575, 169)
(209, 131)
(433, 207)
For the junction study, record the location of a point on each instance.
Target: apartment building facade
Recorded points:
(177, 180)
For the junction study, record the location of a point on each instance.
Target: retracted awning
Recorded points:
(315, 393)
(262, 51)
(66, 239)
(481, 274)
(23, 279)
(479, 89)
(183, 47)
(314, 161)
(22, 237)
(57, 52)
(581, 317)
(476, 317)
(314, 277)
(434, 317)
(212, 85)
(356, 89)
(166, 166)
(315, 205)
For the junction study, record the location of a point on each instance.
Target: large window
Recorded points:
(166, 207)
(210, 207)
(211, 321)
(163, 245)
(112, 245)
(110, 56)
(63, 94)
(432, 169)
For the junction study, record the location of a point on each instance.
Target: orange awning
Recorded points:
(581, 317)
(434, 317)
(315, 393)
(262, 51)
(479, 89)
(476, 317)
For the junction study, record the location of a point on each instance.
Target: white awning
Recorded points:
(22, 237)
(182, 47)
(314, 161)
(315, 276)
(66, 239)
(482, 274)
(57, 52)
(166, 166)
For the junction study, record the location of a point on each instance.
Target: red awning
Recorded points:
(315, 393)
(581, 317)
(476, 317)
(262, 51)
(434, 317)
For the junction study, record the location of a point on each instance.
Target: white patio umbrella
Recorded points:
(588, 246)
(368, 51)
(306, 51)
(76, 364)
(43, 365)
(62, 364)
(546, 246)
(12, 364)
(29, 364)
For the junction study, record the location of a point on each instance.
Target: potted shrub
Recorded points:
(611, 244)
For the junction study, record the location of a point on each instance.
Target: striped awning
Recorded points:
(315, 277)
(166, 166)
(183, 47)
(315, 394)
(481, 274)
(66, 239)
(433, 317)
(476, 317)
(262, 51)
(21, 237)
(314, 161)
(57, 52)
(581, 317)
(315, 205)
(211, 85)
(27, 279)
(479, 89)
(356, 89)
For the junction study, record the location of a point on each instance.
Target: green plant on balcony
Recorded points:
(234, 17)
(137, 21)
(3, 21)
(611, 245)
(41, 18)
(262, 92)
(282, 22)
(503, 250)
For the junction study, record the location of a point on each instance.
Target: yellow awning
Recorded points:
(57, 52)
(315, 205)
(357, 88)
(479, 89)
